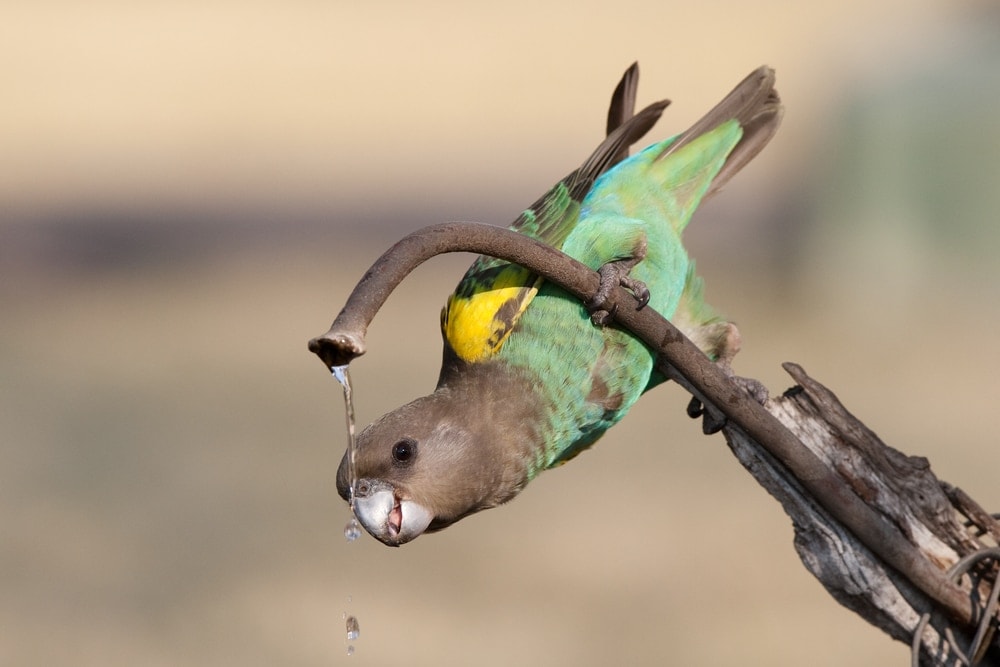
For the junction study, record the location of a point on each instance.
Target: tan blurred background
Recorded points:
(190, 190)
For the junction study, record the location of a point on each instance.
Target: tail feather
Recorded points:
(756, 106)
(613, 147)
(622, 106)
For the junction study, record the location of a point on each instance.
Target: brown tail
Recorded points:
(755, 103)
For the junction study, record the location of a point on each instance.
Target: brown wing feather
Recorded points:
(756, 105)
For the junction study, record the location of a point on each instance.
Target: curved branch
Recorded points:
(346, 340)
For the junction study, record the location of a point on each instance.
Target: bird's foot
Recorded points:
(714, 421)
(612, 275)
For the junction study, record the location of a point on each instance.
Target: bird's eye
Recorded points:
(404, 451)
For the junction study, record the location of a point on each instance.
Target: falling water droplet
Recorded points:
(353, 630)
(352, 530)
(350, 649)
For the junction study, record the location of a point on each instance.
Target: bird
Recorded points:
(531, 376)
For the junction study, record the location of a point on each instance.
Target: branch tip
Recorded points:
(337, 349)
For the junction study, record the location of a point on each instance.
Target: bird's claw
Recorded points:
(612, 275)
(602, 317)
(714, 421)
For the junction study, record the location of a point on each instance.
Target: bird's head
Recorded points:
(426, 465)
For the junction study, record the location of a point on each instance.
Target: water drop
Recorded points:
(352, 530)
(350, 649)
(353, 630)
(340, 373)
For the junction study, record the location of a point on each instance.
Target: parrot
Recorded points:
(531, 376)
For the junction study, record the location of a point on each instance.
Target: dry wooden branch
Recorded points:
(900, 487)
(873, 525)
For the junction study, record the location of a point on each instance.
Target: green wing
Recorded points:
(493, 293)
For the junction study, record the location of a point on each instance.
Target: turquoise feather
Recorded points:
(590, 377)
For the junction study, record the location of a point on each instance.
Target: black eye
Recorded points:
(404, 451)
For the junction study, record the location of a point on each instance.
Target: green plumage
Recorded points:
(528, 381)
(589, 377)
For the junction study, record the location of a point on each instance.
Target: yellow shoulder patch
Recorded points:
(477, 322)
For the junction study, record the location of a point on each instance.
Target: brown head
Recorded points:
(424, 466)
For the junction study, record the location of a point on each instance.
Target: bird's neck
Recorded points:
(501, 408)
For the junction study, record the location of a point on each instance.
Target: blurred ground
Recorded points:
(190, 192)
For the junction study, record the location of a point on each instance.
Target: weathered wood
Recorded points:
(901, 487)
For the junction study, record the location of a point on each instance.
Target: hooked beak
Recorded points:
(386, 517)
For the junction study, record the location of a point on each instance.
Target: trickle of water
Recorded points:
(353, 630)
(352, 531)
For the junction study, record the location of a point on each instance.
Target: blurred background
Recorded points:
(189, 191)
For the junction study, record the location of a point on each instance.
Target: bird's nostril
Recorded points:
(362, 488)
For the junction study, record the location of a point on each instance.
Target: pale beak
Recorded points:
(385, 516)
